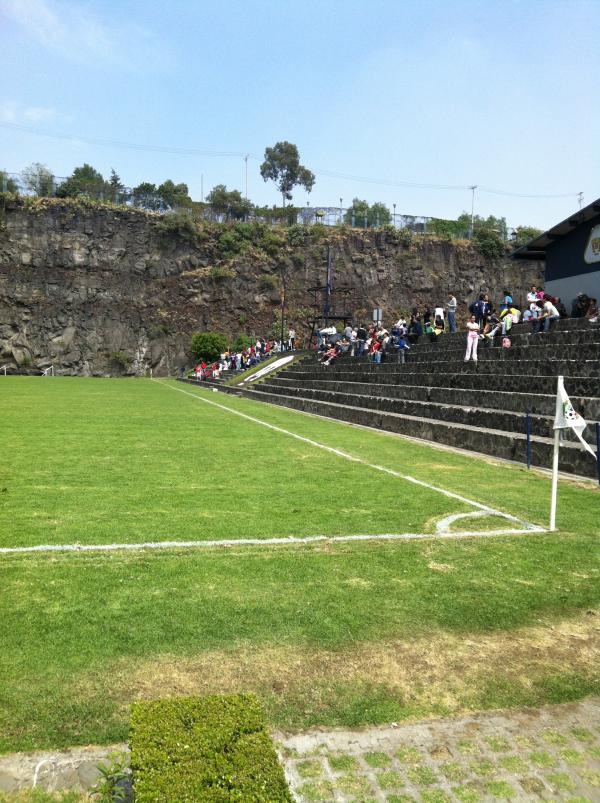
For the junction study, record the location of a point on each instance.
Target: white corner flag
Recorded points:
(565, 417)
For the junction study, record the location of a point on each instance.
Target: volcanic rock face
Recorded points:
(105, 291)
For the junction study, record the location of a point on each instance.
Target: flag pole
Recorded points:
(554, 479)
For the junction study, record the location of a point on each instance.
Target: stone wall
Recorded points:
(107, 291)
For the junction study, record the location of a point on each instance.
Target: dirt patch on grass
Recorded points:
(442, 672)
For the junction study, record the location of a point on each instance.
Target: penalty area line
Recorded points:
(485, 509)
(251, 542)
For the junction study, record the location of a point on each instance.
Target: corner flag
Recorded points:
(566, 416)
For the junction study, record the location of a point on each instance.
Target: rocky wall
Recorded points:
(109, 291)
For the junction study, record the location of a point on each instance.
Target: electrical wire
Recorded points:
(244, 155)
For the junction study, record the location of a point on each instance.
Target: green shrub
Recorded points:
(489, 244)
(219, 273)
(241, 342)
(208, 345)
(178, 224)
(120, 359)
(267, 281)
(213, 749)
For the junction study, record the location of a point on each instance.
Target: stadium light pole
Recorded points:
(472, 188)
(341, 207)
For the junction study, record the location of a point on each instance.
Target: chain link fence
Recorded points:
(144, 197)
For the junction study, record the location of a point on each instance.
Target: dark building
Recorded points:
(571, 250)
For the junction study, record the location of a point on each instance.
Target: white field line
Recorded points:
(485, 509)
(234, 542)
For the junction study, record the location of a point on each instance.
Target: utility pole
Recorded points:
(202, 187)
(246, 160)
(580, 199)
(472, 188)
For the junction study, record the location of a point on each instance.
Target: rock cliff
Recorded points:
(99, 290)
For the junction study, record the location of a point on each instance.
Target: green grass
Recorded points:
(99, 461)
(109, 461)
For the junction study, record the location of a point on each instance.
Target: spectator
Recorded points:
(548, 316)
(532, 295)
(438, 312)
(415, 330)
(481, 309)
(579, 306)
(472, 339)
(361, 338)
(592, 311)
(426, 317)
(451, 307)
(402, 347)
(506, 301)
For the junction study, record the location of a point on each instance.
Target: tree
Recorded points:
(7, 184)
(38, 179)
(282, 166)
(145, 195)
(361, 215)
(229, 202)
(173, 195)
(208, 345)
(523, 234)
(116, 190)
(84, 180)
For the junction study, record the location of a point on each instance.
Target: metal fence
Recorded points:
(142, 197)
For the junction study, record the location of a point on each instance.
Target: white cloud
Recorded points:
(75, 32)
(12, 112)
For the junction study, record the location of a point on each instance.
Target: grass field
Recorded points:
(336, 632)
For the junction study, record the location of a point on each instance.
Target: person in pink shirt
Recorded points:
(472, 339)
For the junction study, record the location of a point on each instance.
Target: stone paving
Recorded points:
(551, 753)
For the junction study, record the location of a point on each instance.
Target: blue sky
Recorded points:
(499, 93)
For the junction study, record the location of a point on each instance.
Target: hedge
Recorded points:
(213, 749)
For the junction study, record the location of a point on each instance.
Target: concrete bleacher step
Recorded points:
(523, 383)
(484, 440)
(517, 402)
(548, 366)
(468, 414)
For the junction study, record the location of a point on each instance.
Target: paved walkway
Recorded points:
(551, 753)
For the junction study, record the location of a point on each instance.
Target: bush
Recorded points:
(178, 224)
(241, 342)
(213, 749)
(219, 273)
(489, 244)
(208, 345)
(267, 281)
(120, 359)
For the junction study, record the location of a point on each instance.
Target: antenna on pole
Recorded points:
(473, 187)
(580, 199)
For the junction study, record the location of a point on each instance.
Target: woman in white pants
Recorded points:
(472, 339)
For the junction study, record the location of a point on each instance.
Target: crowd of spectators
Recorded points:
(485, 322)
(240, 359)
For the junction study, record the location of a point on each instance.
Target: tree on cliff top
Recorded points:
(84, 180)
(38, 179)
(229, 202)
(282, 166)
(7, 184)
(361, 215)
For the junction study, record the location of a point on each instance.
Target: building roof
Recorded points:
(536, 249)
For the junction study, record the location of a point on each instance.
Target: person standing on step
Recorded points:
(451, 306)
(361, 337)
(291, 338)
(472, 339)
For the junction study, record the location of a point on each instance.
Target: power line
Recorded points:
(245, 155)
